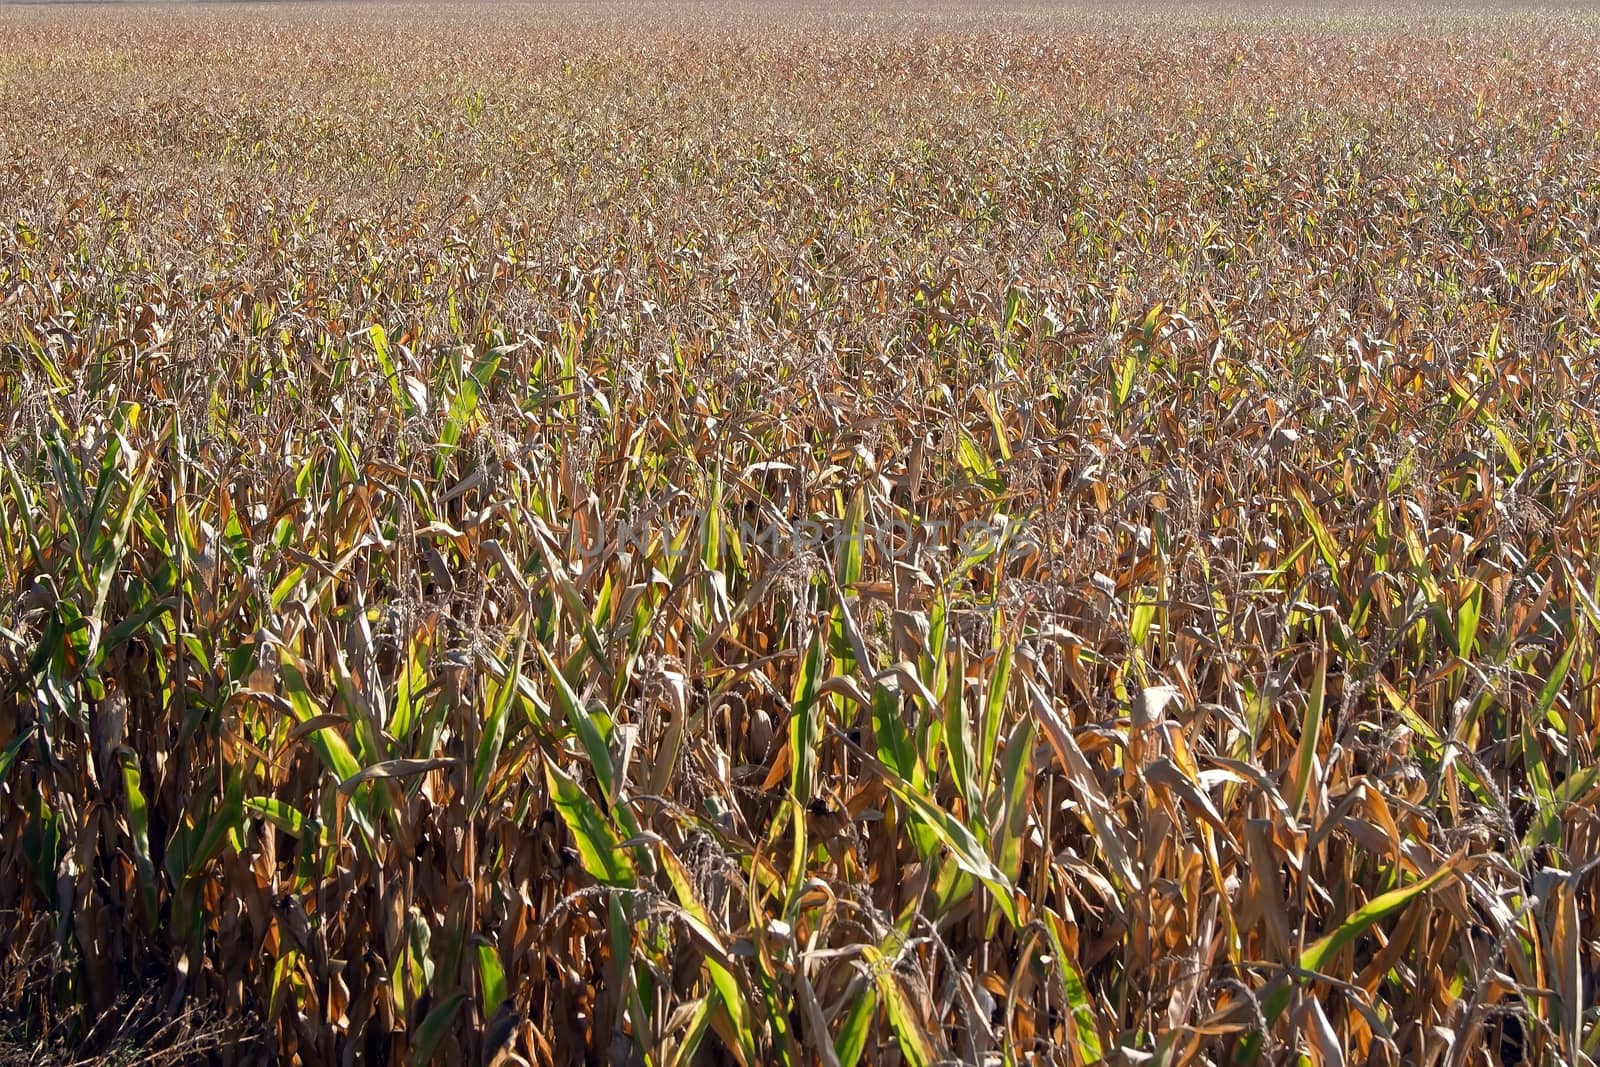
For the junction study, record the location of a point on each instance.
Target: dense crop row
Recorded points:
(754, 536)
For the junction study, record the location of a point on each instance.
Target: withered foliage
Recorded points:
(754, 536)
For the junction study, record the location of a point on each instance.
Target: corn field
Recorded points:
(728, 534)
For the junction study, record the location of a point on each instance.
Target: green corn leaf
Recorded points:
(409, 686)
(1374, 911)
(595, 744)
(1551, 801)
(1085, 1034)
(1015, 788)
(1467, 615)
(226, 820)
(8, 758)
(694, 1034)
(852, 547)
(138, 812)
(977, 466)
(1544, 707)
(285, 817)
(994, 709)
(958, 734)
(329, 745)
(1310, 731)
(964, 847)
(890, 734)
(896, 752)
(711, 536)
(494, 726)
(1546, 825)
(491, 977)
(135, 622)
(1357, 923)
(435, 1028)
(856, 1028)
(1327, 547)
(915, 1046)
(722, 978)
(805, 724)
(599, 848)
(380, 348)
